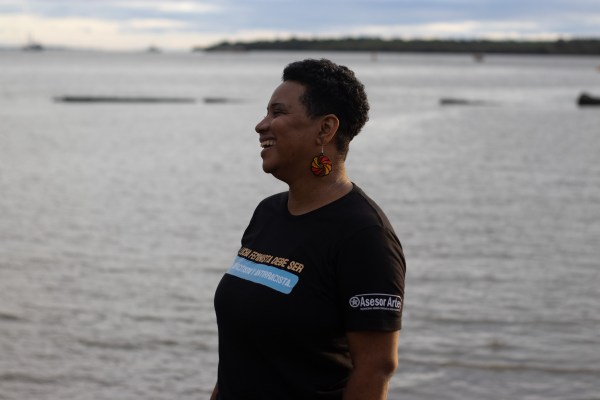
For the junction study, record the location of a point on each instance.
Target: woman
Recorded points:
(311, 307)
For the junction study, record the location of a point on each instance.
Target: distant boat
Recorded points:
(32, 46)
(588, 100)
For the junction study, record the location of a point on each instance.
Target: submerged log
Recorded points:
(220, 100)
(587, 100)
(125, 99)
(450, 101)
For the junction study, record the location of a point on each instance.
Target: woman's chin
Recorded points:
(267, 167)
(268, 162)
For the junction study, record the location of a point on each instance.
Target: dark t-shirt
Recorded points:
(298, 284)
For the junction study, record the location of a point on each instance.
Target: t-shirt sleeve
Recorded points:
(370, 276)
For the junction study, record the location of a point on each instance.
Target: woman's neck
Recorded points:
(312, 194)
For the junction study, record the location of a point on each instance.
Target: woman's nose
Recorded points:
(261, 126)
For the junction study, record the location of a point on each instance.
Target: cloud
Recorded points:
(154, 24)
(63, 30)
(175, 7)
(100, 34)
(458, 29)
(185, 23)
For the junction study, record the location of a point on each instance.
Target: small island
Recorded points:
(589, 46)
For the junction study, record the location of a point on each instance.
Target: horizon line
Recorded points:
(507, 39)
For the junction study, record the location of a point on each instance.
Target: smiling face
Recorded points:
(289, 137)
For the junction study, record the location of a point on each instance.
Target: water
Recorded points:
(118, 220)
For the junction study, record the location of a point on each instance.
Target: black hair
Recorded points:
(332, 89)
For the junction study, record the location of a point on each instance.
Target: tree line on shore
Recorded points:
(589, 46)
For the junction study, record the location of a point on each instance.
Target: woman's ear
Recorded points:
(329, 127)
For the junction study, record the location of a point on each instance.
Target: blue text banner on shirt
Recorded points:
(275, 278)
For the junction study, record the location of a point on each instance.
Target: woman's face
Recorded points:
(289, 138)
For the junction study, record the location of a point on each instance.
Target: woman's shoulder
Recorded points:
(275, 198)
(364, 206)
(276, 201)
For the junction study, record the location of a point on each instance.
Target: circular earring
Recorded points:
(321, 164)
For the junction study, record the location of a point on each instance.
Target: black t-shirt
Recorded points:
(297, 285)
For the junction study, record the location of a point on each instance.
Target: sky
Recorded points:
(184, 24)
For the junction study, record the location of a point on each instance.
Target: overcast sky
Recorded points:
(182, 24)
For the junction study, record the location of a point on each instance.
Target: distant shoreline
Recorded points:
(475, 47)
(559, 47)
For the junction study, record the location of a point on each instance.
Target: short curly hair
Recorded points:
(332, 89)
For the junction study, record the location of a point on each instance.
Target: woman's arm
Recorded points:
(375, 358)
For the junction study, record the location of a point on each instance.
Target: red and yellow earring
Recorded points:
(321, 165)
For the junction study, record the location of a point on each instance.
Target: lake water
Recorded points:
(118, 220)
